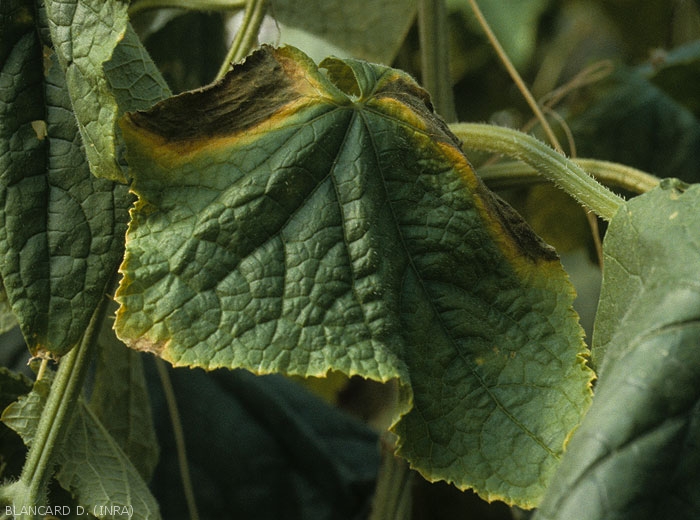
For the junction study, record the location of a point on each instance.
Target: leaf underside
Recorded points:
(291, 220)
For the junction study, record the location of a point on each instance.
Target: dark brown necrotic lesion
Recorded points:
(529, 244)
(407, 92)
(249, 94)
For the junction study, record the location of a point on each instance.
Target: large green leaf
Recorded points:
(636, 454)
(91, 465)
(61, 230)
(7, 317)
(291, 221)
(86, 34)
(652, 247)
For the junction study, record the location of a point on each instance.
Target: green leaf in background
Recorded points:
(300, 223)
(185, 62)
(12, 450)
(23, 415)
(636, 454)
(371, 30)
(676, 72)
(514, 22)
(120, 401)
(262, 448)
(85, 34)
(631, 120)
(61, 229)
(91, 465)
(12, 386)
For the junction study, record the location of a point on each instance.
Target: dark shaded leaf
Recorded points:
(263, 448)
(188, 49)
(12, 451)
(677, 73)
(12, 386)
(634, 122)
(371, 30)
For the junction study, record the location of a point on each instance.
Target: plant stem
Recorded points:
(515, 174)
(392, 496)
(435, 56)
(201, 5)
(179, 435)
(55, 418)
(515, 76)
(42, 369)
(247, 35)
(554, 166)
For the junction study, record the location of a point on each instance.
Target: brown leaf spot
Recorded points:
(146, 345)
(252, 92)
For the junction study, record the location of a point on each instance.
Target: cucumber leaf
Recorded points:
(8, 321)
(120, 401)
(636, 455)
(634, 120)
(250, 438)
(107, 72)
(61, 229)
(12, 386)
(302, 222)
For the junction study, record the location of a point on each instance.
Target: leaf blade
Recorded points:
(121, 403)
(338, 226)
(634, 455)
(62, 229)
(95, 59)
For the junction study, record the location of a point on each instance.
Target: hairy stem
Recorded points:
(435, 60)
(30, 491)
(564, 172)
(513, 174)
(247, 35)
